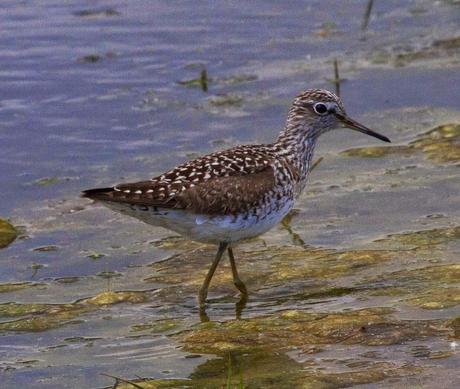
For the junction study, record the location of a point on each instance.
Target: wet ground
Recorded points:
(360, 284)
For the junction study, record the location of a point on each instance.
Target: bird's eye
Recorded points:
(320, 108)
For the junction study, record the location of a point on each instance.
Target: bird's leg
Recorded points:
(204, 318)
(236, 279)
(204, 288)
(240, 305)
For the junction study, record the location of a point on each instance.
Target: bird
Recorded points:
(239, 193)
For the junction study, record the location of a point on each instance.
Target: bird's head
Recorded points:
(318, 111)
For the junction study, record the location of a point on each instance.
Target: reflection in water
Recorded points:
(367, 15)
(240, 305)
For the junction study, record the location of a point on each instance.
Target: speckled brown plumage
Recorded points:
(227, 182)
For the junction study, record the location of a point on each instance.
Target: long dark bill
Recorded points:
(350, 123)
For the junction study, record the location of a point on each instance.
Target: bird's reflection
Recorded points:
(240, 305)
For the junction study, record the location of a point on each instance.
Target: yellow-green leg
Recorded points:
(236, 279)
(204, 288)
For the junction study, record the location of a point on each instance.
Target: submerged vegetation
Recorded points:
(7, 233)
(42, 317)
(440, 145)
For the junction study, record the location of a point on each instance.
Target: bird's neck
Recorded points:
(296, 145)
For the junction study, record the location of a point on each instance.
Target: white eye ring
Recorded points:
(320, 109)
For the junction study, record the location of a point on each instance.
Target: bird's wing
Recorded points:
(228, 195)
(220, 183)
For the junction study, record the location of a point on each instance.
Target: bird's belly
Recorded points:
(208, 228)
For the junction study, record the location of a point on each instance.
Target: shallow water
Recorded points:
(360, 286)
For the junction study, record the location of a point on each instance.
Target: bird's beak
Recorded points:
(354, 125)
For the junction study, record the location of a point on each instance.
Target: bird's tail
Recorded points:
(97, 194)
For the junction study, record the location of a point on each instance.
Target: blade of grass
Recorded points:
(241, 383)
(229, 373)
(337, 77)
(367, 15)
(204, 80)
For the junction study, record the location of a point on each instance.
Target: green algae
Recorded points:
(437, 48)
(424, 239)
(271, 266)
(67, 280)
(110, 297)
(7, 233)
(15, 309)
(175, 243)
(294, 262)
(454, 324)
(42, 317)
(436, 298)
(440, 145)
(328, 292)
(47, 181)
(431, 287)
(304, 331)
(201, 82)
(50, 181)
(35, 266)
(280, 264)
(258, 348)
(90, 58)
(162, 325)
(440, 48)
(39, 317)
(272, 371)
(46, 249)
(15, 286)
(92, 13)
(313, 270)
(95, 255)
(291, 263)
(442, 274)
(80, 339)
(377, 151)
(192, 83)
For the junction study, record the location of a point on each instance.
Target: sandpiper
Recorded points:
(238, 193)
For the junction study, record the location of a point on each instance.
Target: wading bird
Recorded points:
(238, 193)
